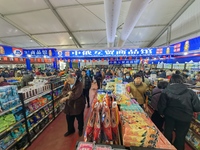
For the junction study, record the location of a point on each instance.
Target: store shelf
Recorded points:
(57, 98)
(196, 120)
(36, 96)
(58, 114)
(196, 134)
(191, 145)
(25, 147)
(11, 127)
(15, 141)
(41, 131)
(39, 121)
(4, 112)
(58, 87)
(39, 109)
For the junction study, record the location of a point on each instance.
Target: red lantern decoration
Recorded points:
(15, 59)
(76, 60)
(102, 59)
(52, 59)
(111, 59)
(85, 60)
(68, 60)
(120, 58)
(93, 60)
(130, 58)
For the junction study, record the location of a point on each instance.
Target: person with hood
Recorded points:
(128, 78)
(156, 118)
(177, 104)
(72, 96)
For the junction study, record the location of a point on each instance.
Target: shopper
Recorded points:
(138, 90)
(26, 79)
(93, 91)
(128, 78)
(86, 81)
(75, 103)
(98, 77)
(156, 118)
(177, 104)
(3, 82)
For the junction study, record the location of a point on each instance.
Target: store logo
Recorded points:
(60, 53)
(17, 52)
(2, 51)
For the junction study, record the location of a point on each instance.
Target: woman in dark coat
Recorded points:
(75, 104)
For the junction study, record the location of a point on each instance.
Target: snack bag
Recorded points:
(90, 127)
(106, 121)
(114, 121)
(97, 125)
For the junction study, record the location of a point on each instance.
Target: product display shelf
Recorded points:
(6, 111)
(41, 131)
(191, 145)
(58, 114)
(27, 145)
(26, 101)
(11, 127)
(40, 121)
(196, 121)
(195, 133)
(39, 109)
(57, 98)
(58, 87)
(15, 141)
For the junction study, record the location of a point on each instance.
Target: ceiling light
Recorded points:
(70, 38)
(31, 40)
(186, 53)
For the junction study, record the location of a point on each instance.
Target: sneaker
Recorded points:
(80, 133)
(68, 133)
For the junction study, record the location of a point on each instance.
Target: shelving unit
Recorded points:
(39, 109)
(4, 112)
(23, 104)
(15, 141)
(190, 144)
(11, 127)
(26, 101)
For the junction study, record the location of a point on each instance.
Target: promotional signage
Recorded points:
(188, 45)
(124, 62)
(39, 52)
(114, 53)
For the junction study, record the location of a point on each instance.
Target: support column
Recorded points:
(28, 64)
(55, 65)
(70, 64)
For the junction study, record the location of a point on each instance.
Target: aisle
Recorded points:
(53, 138)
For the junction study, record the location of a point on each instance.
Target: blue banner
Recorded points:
(113, 53)
(6, 51)
(39, 52)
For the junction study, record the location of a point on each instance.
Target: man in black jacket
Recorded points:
(86, 81)
(177, 104)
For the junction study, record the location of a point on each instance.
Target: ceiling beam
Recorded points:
(22, 30)
(62, 22)
(180, 12)
(77, 31)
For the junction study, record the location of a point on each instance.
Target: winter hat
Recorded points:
(137, 75)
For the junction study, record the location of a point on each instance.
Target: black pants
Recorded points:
(158, 120)
(99, 83)
(86, 95)
(70, 122)
(181, 131)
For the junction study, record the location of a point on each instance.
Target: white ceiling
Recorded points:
(28, 23)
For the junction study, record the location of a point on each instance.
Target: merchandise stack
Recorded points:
(116, 119)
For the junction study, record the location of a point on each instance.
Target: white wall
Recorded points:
(187, 26)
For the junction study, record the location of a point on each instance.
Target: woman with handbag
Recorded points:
(75, 103)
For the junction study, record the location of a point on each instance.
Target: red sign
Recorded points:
(177, 48)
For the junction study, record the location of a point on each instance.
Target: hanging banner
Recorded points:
(39, 52)
(121, 62)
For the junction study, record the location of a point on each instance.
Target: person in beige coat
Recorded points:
(138, 90)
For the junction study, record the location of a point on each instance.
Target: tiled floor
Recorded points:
(52, 137)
